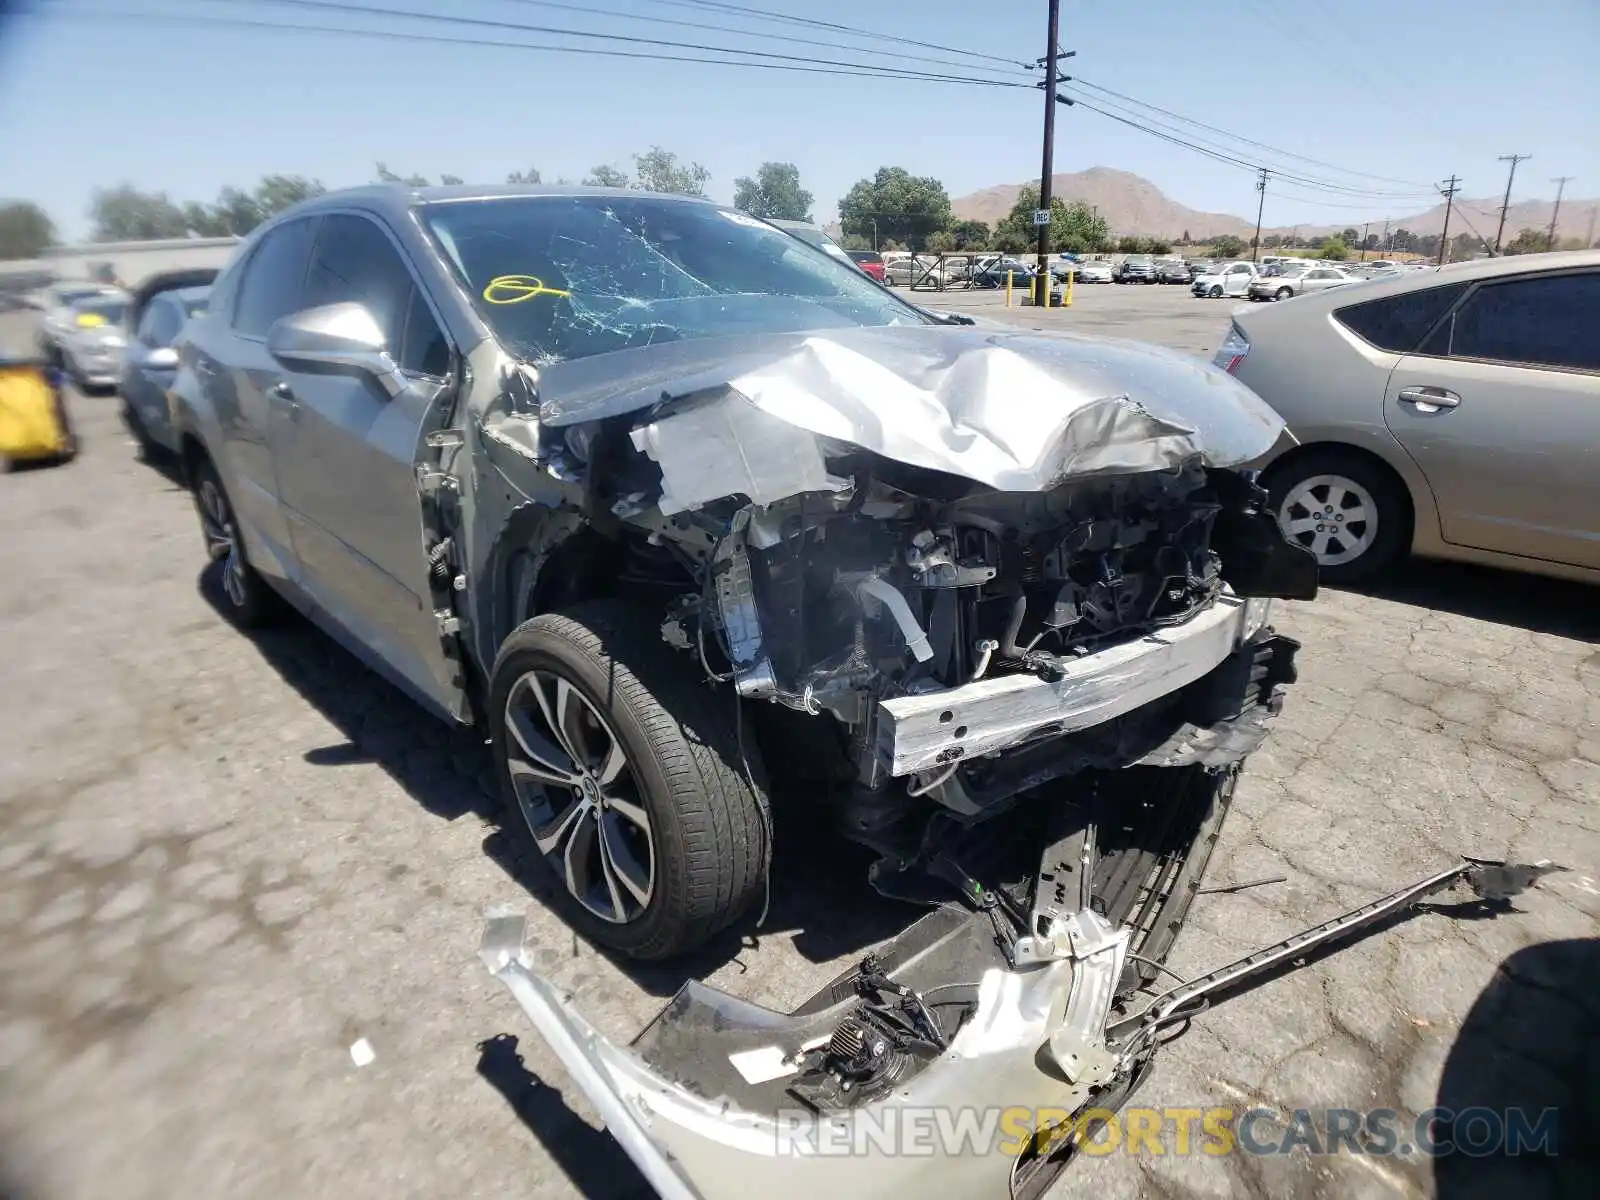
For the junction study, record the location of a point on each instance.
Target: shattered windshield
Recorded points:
(564, 277)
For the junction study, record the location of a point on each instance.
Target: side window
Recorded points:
(165, 321)
(1398, 323)
(355, 261)
(423, 349)
(1241, 269)
(270, 288)
(149, 324)
(1545, 321)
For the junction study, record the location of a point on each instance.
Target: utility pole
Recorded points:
(1505, 207)
(1388, 247)
(1561, 182)
(1451, 187)
(1262, 175)
(1041, 284)
(1365, 225)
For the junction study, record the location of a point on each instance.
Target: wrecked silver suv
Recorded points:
(692, 518)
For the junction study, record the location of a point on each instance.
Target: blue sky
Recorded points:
(1407, 89)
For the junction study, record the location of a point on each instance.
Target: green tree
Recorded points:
(1228, 246)
(1350, 237)
(450, 180)
(1272, 241)
(531, 175)
(775, 191)
(124, 213)
(277, 192)
(1465, 247)
(387, 176)
(1528, 241)
(606, 175)
(971, 235)
(25, 229)
(941, 241)
(1130, 244)
(1184, 240)
(1011, 240)
(1403, 240)
(906, 207)
(1159, 246)
(1335, 249)
(658, 170)
(1074, 227)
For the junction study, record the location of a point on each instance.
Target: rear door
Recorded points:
(1500, 407)
(346, 458)
(1237, 280)
(1320, 279)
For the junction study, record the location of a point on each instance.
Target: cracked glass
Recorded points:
(565, 277)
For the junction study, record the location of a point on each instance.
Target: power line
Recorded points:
(1239, 157)
(788, 38)
(1238, 137)
(785, 18)
(1233, 159)
(861, 71)
(341, 6)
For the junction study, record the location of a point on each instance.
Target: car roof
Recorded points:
(396, 200)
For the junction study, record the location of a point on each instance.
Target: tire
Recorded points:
(248, 599)
(1283, 293)
(1216, 292)
(1310, 484)
(706, 831)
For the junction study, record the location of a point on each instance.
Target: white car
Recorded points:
(57, 304)
(1295, 279)
(1225, 279)
(91, 341)
(1092, 272)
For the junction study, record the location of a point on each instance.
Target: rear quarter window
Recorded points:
(1399, 323)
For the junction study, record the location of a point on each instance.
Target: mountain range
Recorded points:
(1132, 204)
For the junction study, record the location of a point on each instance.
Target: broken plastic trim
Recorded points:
(690, 1147)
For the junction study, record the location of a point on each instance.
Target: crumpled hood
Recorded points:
(1017, 411)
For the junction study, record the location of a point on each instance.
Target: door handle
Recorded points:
(1427, 398)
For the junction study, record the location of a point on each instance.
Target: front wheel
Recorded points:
(250, 601)
(1283, 293)
(1352, 514)
(625, 783)
(1216, 292)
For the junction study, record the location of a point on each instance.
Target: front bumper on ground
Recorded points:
(698, 1100)
(931, 731)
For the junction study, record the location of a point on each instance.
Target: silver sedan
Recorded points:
(1451, 412)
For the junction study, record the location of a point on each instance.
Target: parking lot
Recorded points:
(223, 860)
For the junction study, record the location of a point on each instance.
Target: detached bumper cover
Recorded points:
(699, 1145)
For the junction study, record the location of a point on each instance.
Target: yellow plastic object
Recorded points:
(90, 320)
(514, 289)
(32, 424)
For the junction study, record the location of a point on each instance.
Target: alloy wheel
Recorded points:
(580, 796)
(1332, 516)
(222, 540)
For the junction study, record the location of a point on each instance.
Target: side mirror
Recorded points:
(344, 336)
(162, 358)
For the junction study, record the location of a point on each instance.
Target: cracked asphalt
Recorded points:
(223, 860)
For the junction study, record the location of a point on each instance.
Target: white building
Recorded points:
(131, 262)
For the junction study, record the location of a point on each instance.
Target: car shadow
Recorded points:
(1518, 1096)
(1532, 602)
(819, 895)
(591, 1160)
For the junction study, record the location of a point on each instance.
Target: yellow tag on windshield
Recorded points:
(90, 320)
(514, 289)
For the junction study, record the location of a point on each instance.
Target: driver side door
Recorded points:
(346, 453)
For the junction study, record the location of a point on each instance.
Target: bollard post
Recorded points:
(1072, 277)
(1009, 274)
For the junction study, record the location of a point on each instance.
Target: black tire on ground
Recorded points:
(1394, 515)
(248, 599)
(1283, 293)
(1216, 292)
(710, 827)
